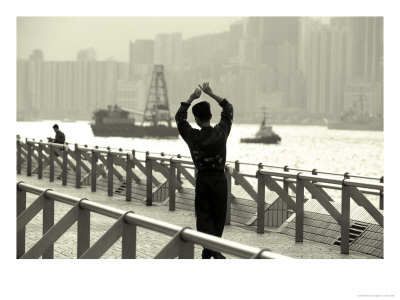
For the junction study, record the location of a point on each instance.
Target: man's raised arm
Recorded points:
(227, 108)
(183, 125)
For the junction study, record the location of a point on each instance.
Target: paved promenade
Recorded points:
(149, 243)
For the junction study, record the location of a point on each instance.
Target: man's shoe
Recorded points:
(218, 255)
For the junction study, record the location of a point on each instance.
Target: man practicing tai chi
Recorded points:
(208, 150)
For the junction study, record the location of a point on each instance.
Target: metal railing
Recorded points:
(181, 245)
(350, 189)
(173, 168)
(298, 183)
(236, 163)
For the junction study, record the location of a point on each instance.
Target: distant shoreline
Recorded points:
(239, 121)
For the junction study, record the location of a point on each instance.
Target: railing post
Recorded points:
(65, 164)
(133, 159)
(48, 222)
(149, 180)
(260, 202)
(178, 173)
(51, 162)
(110, 167)
(237, 168)
(381, 196)
(129, 232)
(285, 184)
(19, 157)
(172, 184)
(345, 220)
(313, 172)
(128, 190)
(94, 170)
(186, 250)
(29, 158)
(40, 161)
(21, 206)
(83, 242)
(78, 167)
(229, 195)
(299, 208)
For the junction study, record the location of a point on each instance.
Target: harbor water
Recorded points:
(304, 147)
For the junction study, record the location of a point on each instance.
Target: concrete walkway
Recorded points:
(149, 243)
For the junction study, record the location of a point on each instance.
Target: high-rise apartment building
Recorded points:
(141, 58)
(27, 88)
(307, 26)
(234, 35)
(60, 89)
(168, 49)
(141, 51)
(131, 94)
(272, 43)
(365, 52)
(326, 70)
(279, 30)
(365, 45)
(263, 35)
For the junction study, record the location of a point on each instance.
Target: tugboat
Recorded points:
(117, 121)
(264, 135)
(356, 119)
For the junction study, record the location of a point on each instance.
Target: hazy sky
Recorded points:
(61, 37)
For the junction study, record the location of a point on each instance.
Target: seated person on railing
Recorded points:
(59, 138)
(208, 150)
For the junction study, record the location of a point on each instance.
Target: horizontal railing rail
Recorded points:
(317, 178)
(189, 164)
(180, 246)
(237, 162)
(328, 186)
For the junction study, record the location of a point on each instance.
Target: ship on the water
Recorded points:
(264, 135)
(156, 118)
(355, 118)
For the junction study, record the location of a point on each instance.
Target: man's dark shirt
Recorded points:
(208, 145)
(60, 137)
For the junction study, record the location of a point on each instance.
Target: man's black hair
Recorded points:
(55, 126)
(202, 111)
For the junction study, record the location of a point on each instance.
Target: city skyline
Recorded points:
(48, 33)
(60, 38)
(299, 67)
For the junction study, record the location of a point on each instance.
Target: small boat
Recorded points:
(117, 121)
(265, 135)
(156, 123)
(354, 118)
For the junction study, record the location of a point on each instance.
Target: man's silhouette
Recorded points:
(208, 150)
(60, 136)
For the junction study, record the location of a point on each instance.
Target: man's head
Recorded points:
(55, 127)
(202, 113)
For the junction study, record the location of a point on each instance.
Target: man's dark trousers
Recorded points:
(210, 202)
